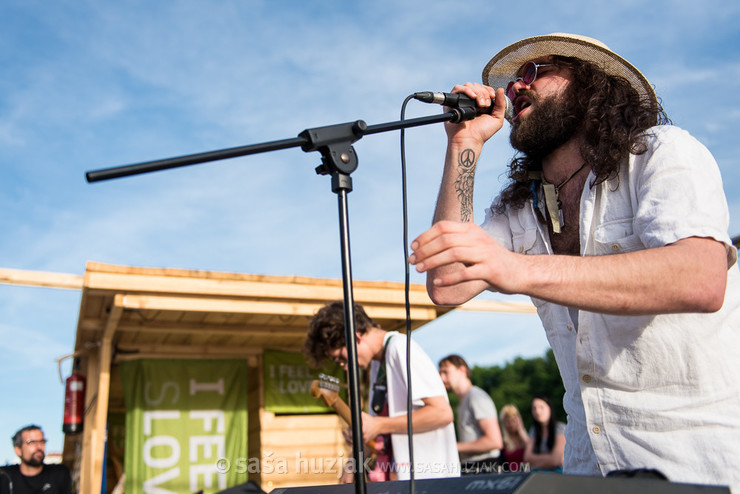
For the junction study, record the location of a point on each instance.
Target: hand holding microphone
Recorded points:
(465, 106)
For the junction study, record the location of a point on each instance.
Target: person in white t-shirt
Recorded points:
(383, 354)
(615, 224)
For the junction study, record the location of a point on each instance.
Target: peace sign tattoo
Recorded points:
(464, 183)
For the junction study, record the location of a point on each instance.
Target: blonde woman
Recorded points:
(515, 436)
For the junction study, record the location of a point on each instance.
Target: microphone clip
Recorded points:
(463, 113)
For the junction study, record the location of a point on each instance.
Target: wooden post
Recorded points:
(100, 421)
(91, 397)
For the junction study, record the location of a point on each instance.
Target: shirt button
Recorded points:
(616, 247)
(596, 429)
(521, 249)
(570, 328)
(586, 378)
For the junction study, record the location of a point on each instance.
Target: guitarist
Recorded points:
(383, 353)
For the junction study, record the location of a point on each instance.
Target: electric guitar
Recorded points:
(327, 388)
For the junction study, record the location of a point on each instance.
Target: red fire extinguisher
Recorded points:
(74, 401)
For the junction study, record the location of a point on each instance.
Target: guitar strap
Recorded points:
(383, 446)
(380, 387)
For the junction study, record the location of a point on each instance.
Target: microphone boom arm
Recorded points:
(317, 139)
(339, 160)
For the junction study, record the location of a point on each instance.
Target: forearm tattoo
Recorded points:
(464, 183)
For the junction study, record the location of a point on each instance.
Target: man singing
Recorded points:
(615, 224)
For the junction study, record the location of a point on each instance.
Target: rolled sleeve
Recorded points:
(679, 192)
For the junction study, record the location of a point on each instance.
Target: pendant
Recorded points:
(553, 207)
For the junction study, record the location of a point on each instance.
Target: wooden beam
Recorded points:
(88, 432)
(101, 412)
(216, 305)
(40, 278)
(136, 351)
(264, 307)
(320, 290)
(196, 328)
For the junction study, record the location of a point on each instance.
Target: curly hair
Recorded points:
(326, 331)
(615, 121)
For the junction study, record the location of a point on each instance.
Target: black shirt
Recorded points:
(53, 479)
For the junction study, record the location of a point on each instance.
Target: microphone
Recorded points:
(466, 107)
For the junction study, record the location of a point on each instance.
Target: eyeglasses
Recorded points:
(30, 442)
(529, 75)
(338, 358)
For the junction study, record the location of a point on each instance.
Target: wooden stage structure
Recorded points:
(136, 312)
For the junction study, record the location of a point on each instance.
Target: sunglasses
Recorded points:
(529, 75)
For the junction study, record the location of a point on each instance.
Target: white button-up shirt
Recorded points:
(660, 391)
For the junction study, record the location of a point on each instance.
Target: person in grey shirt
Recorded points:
(479, 440)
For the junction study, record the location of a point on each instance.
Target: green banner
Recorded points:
(185, 420)
(288, 381)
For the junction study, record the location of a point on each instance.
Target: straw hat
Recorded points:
(504, 65)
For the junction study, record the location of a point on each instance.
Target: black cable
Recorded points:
(409, 401)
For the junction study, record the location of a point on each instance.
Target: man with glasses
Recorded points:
(383, 354)
(615, 224)
(32, 475)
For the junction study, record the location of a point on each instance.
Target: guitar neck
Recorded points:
(329, 393)
(342, 410)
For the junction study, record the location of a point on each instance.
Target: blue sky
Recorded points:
(87, 85)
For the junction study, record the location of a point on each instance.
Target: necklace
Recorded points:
(558, 187)
(552, 203)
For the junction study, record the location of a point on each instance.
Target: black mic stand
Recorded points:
(338, 159)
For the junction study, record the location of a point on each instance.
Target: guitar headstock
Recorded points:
(329, 382)
(326, 387)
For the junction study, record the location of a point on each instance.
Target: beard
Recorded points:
(35, 460)
(551, 122)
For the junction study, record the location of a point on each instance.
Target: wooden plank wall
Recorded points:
(301, 450)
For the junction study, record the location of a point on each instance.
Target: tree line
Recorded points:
(518, 381)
